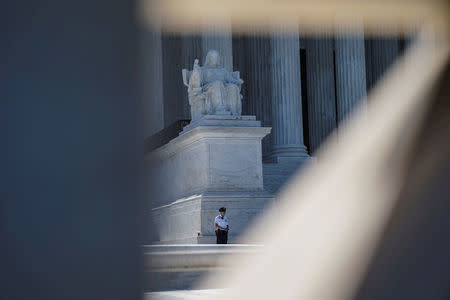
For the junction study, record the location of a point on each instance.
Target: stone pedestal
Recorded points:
(216, 161)
(180, 222)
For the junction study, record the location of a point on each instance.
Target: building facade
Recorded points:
(302, 87)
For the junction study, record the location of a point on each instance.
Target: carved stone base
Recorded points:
(191, 220)
(215, 162)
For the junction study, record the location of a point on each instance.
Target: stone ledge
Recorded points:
(224, 121)
(185, 294)
(207, 132)
(182, 267)
(165, 257)
(205, 194)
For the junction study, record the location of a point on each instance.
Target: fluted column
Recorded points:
(219, 37)
(258, 82)
(191, 48)
(320, 89)
(350, 71)
(174, 89)
(287, 125)
(369, 72)
(384, 51)
(240, 64)
(151, 84)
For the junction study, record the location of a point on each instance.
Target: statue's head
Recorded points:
(212, 59)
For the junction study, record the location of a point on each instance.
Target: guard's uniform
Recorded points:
(222, 235)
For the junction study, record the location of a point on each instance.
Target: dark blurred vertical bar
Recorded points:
(412, 259)
(70, 218)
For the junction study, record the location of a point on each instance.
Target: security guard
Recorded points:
(221, 225)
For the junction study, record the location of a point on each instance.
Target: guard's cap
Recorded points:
(222, 209)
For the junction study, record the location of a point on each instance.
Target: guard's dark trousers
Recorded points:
(222, 237)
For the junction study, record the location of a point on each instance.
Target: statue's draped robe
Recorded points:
(222, 91)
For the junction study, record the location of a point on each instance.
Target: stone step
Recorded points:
(275, 175)
(181, 267)
(185, 294)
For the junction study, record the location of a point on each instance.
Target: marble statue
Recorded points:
(212, 90)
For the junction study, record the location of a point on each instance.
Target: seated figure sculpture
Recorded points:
(212, 90)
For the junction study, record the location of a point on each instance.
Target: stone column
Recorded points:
(191, 48)
(151, 80)
(287, 125)
(174, 90)
(258, 82)
(350, 70)
(320, 89)
(240, 64)
(369, 72)
(219, 37)
(383, 51)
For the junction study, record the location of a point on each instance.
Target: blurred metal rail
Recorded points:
(378, 16)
